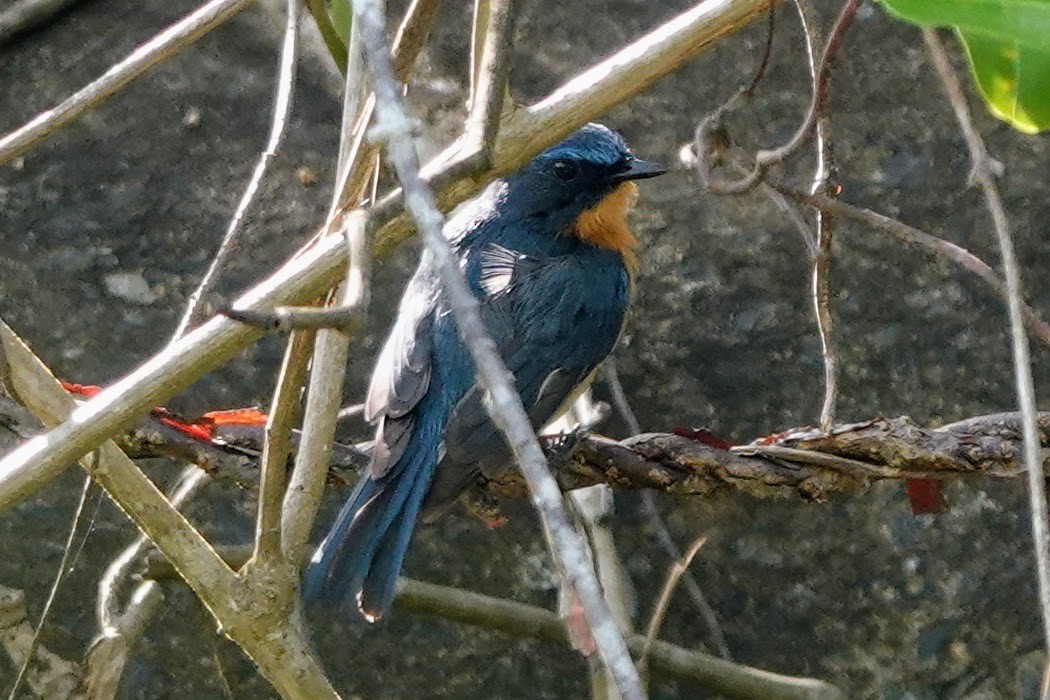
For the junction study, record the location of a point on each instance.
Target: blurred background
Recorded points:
(106, 228)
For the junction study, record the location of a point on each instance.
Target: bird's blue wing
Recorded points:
(403, 371)
(554, 320)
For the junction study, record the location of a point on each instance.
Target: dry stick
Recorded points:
(457, 605)
(592, 511)
(821, 282)
(717, 675)
(264, 632)
(767, 158)
(504, 405)
(119, 629)
(64, 564)
(983, 176)
(525, 133)
(324, 397)
(24, 15)
(158, 49)
(113, 635)
(278, 445)
(331, 350)
(660, 611)
(282, 108)
(913, 236)
(361, 160)
(656, 519)
(491, 66)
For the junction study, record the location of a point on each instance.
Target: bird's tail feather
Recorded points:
(355, 568)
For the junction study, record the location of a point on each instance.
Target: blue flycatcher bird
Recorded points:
(548, 254)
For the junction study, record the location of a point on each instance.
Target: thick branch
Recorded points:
(803, 461)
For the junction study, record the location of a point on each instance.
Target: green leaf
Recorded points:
(1014, 80)
(1008, 46)
(341, 15)
(1023, 21)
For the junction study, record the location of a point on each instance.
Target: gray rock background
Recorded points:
(105, 229)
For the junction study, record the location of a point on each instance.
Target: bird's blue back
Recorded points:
(553, 301)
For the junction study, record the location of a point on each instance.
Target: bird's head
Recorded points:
(584, 185)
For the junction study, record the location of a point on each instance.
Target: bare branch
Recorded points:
(764, 159)
(24, 15)
(324, 397)
(504, 404)
(282, 108)
(983, 176)
(656, 519)
(718, 676)
(491, 48)
(266, 633)
(914, 236)
(278, 445)
(529, 622)
(660, 611)
(158, 49)
(821, 283)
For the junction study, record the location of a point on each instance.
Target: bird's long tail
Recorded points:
(355, 568)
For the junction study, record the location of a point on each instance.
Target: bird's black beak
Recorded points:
(638, 169)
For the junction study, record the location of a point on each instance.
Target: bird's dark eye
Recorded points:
(566, 170)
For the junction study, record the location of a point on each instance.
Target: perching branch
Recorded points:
(277, 447)
(394, 126)
(983, 177)
(802, 462)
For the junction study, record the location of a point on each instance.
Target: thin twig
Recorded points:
(24, 15)
(982, 175)
(674, 574)
(278, 445)
(491, 47)
(282, 108)
(324, 397)
(821, 283)
(108, 610)
(158, 49)
(656, 519)
(466, 607)
(64, 564)
(913, 236)
(766, 158)
(504, 405)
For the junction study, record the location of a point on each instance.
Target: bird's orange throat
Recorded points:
(605, 224)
